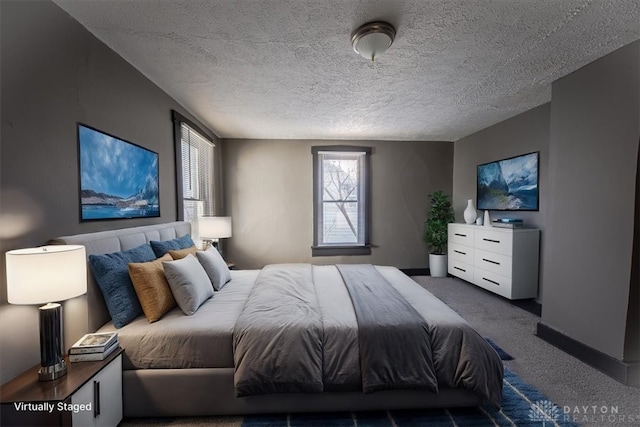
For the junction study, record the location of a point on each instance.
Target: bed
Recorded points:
(201, 364)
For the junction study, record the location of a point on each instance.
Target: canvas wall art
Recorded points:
(510, 184)
(118, 179)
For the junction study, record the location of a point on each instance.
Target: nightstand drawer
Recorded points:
(71, 399)
(103, 393)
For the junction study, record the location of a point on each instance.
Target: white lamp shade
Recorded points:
(214, 227)
(46, 274)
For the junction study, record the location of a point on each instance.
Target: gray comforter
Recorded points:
(299, 332)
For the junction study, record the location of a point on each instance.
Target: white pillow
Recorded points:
(188, 282)
(215, 266)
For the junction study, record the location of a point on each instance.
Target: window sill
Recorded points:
(340, 250)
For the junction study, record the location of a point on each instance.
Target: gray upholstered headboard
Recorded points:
(87, 314)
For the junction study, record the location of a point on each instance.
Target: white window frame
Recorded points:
(363, 198)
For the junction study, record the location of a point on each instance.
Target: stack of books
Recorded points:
(91, 347)
(507, 223)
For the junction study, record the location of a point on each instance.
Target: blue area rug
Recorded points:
(503, 354)
(522, 406)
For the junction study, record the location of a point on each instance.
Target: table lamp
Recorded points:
(213, 228)
(46, 275)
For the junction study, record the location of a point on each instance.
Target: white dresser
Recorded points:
(501, 260)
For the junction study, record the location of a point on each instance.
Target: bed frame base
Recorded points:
(152, 393)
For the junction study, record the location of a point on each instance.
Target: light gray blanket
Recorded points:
(298, 332)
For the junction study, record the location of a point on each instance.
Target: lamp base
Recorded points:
(206, 243)
(50, 373)
(211, 242)
(52, 365)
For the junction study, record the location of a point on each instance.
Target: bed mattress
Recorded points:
(203, 340)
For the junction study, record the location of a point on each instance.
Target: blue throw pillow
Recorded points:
(161, 248)
(111, 272)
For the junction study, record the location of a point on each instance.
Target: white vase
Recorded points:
(470, 213)
(487, 219)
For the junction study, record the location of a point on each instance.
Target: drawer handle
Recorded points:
(96, 399)
(491, 281)
(461, 269)
(492, 262)
(459, 252)
(461, 235)
(491, 240)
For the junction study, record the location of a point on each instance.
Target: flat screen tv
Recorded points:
(510, 184)
(118, 179)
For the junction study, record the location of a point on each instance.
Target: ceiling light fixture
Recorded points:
(372, 39)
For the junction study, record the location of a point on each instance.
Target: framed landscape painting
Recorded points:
(118, 179)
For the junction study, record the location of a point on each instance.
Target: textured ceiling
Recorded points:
(285, 68)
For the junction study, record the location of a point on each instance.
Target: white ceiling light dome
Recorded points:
(373, 39)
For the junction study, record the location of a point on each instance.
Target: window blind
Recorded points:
(197, 174)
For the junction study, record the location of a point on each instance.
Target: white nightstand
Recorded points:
(89, 395)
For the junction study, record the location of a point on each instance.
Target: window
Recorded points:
(194, 171)
(341, 211)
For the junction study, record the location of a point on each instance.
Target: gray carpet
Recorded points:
(591, 395)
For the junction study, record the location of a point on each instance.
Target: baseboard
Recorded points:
(416, 271)
(626, 373)
(530, 305)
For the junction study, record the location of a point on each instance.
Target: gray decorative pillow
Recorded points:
(188, 282)
(215, 266)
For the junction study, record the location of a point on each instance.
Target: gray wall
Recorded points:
(54, 74)
(268, 190)
(632, 341)
(593, 154)
(524, 133)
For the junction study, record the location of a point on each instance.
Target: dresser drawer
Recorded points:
(494, 262)
(460, 234)
(461, 253)
(493, 282)
(460, 269)
(494, 241)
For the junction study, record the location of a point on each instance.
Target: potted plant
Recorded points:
(435, 232)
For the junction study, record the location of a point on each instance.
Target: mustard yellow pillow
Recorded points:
(152, 288)
(181, 253)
